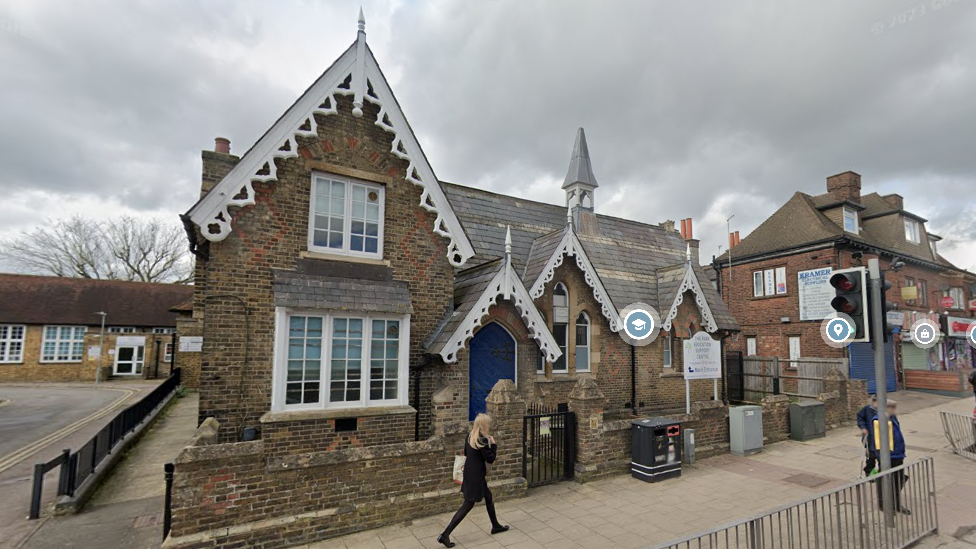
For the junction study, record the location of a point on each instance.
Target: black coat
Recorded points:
(474, 484)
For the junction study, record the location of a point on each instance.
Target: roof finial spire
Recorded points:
(569, 215)
(508, 243)
(688, 253)
(359, 71)
(362, 20)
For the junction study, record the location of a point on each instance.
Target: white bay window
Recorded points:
(340, 360)
(12, 342)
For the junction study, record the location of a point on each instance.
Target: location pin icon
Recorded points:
(838, 329)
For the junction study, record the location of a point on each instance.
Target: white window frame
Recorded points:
(57, 341)
(758, 285)
(781, 279)
(347, 217)
(913, 231)
(751, 346)
(851, 215)
(121, 330)
(164, 330)
(667, 352)
(561, 311)
(7, 341)
(589, 329)
(280, 377)
(168, 351)
(958, 295)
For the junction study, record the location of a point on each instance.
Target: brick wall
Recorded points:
(32, 369)
(189, 362)
(240, 495)
(272, 234)
(283, 437)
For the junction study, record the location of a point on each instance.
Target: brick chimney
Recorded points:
(895, 200)
(686, 230)
(733, 239)
(845, 186)
(216, 164)
(667, 225)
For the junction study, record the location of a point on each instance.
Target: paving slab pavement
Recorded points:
(626, 513)
(127, 511)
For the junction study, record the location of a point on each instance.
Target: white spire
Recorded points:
(359, 71)
(569, 215)
(508, 243)
(688, 253)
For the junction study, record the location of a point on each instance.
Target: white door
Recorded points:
(794, 350)
(129, 360)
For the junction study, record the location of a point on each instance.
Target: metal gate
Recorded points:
(735, 378)
(548, 445)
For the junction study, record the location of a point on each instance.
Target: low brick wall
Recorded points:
(776, 418)
(248, 494)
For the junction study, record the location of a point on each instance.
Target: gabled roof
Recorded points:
(29, 299)
(356, 73)
(801, 222)
(625, 255)
(475, 291)
(674, 282)
(580, 167)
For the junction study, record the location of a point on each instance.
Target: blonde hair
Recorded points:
(479, 431)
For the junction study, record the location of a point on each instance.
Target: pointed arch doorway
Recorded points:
(493, 357)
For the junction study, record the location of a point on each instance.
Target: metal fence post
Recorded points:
(63, 472)
(38, 486)
(168, 470)
(776, 368)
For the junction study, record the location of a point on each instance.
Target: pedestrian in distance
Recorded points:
(896, 444)
(864, 417)
(480, 450)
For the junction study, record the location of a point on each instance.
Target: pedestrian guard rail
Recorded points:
(848, 517)
(960, 430)
(78, 466)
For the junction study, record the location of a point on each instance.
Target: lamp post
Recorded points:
(728, 229)
(101, 349)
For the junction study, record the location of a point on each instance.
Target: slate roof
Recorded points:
(626, 254)
(469, 284)
(305, 291)
(801, 221)
(30, 299)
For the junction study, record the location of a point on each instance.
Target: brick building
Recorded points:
(50, 328)
(351, 304)
(777, 286)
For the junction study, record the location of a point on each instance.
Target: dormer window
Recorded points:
(913, 232)
(850, 221)
(346, 217)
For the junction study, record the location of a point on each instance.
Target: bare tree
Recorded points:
(125, 248)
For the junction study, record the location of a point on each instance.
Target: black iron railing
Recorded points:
(77, 466)
(548, 445)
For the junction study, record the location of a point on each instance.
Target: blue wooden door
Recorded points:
(492, 359)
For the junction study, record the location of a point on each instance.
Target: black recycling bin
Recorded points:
(656, 449)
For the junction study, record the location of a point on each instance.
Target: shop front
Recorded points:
(943, 368)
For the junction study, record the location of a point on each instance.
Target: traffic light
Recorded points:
(885, 307)
(851, 288)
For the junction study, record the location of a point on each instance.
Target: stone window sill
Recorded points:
(334, 413)
(305, 254)
(673, 374)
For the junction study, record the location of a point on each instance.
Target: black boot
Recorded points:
(445, 540)
(499, 529)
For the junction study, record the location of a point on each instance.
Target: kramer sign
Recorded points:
(815, 293)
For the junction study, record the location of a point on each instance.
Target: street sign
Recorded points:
(815, 293)
(972, 304)
(191, 344)
(948, 302)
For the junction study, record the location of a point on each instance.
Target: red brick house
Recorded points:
(50, 328)
(776, 283)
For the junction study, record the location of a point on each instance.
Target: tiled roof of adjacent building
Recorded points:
(802, 222)
(626, 254)
(29, 299)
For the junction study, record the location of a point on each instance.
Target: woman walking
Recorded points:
(479, 451)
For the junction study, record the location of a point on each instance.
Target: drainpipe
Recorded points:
(633, 378)
(416, 396)
(728, 333)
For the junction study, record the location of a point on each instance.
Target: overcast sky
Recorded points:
(692, 109)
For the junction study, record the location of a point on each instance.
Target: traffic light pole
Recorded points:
(881, 386)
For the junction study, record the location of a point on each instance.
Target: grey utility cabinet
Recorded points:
(807, 420)
(745, 430)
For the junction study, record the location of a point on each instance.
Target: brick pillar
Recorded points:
(586, 401)
(446, 411)
(776, 417)
(507, 410)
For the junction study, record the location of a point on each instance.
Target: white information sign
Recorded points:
(703, 357)
(191, 344)
(94, 352)
(815, 293)
(130, 341)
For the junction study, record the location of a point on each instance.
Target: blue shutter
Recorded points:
(862, 365)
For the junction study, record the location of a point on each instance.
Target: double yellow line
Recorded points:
(17, 456)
